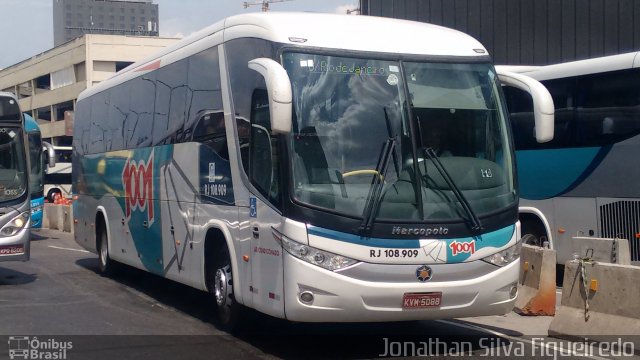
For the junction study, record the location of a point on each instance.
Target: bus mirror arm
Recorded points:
(51, 154)
(279, 91)
(543, 109)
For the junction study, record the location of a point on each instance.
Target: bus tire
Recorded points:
(531, 239)
(228, 312)
(51, 194)
(107, 265)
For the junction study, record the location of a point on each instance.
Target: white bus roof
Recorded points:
(331, 31)
(578, 68)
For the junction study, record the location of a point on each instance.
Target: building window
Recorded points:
(143, 20)
(133, 19)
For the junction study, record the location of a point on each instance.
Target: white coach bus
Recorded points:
(591, 191)
(283, 162)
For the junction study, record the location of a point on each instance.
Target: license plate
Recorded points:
(11, 250)
(421, 300)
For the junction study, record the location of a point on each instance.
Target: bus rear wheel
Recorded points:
(107, 265)
(228, 311)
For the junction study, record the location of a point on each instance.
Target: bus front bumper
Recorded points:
(340, 298)
(10, 243)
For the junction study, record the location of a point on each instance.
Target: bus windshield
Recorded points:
(365, 123)
(12, 164)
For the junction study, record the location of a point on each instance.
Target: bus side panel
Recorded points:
(196, 193)
(37, 205)
(83, 231)
(568, 217)
(124, 185)
(573, 217)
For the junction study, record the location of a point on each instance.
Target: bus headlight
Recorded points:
(325, 259)
(15, 225)
(506, 256)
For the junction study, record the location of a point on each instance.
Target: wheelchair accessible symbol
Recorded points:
(253, 207)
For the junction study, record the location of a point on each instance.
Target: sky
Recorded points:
(27, 25)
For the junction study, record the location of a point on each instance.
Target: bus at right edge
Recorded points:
(583, 183)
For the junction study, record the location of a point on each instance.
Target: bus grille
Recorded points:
(621, 219)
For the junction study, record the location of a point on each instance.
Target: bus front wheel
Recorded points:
(228, 311)
(51, 194)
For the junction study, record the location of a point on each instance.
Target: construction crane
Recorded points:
(264, 3)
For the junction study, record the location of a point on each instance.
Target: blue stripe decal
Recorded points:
(36, 216)
(496, 239)
(543, 174)
(366, 241)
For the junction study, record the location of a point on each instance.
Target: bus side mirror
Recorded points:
(50, 153)
(279, 92)
(543, 109)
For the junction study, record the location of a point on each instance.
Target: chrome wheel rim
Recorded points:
(103, 252)
(220, 288)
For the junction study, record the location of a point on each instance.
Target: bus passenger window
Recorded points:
(210, 131)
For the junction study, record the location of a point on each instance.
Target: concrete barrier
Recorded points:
(58, 217)
(537, 284)
(67, 218)
(45, 218)
(614, 309)
(606, 250)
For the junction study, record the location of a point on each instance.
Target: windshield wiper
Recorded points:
(374, 196)
(390, 132)
(476, 225)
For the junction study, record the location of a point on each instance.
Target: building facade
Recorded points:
(529, 32)
(48, 84)
(74, 18)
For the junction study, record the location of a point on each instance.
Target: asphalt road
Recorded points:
(58, 296)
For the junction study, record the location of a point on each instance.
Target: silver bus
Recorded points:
(15, 199)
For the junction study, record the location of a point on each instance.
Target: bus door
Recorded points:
(264, 198)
